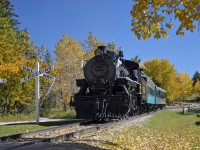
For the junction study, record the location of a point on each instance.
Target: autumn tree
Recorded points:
(184, 87)
(16, 50)
(197, 87)
(163, 73)
(136, 59)
(90, 44)
(156, 17)
(111, 46)
(69, 56)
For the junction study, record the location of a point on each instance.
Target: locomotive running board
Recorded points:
(124, 80)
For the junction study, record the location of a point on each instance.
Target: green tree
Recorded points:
(48, 58)
(6, 15)
(196, 77)
(156, 17)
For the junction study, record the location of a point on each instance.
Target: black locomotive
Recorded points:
(114, 88)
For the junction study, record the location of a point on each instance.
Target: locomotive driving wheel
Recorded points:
(133, 107)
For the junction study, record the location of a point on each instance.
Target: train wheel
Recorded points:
(137, 111)
(126, 116)
(140, 111)
(106, 119)
(131, 113)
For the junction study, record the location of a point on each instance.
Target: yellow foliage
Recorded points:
(9, 67)
(197, 87)
(184, 87)
(177, 85)
(65, 100)
(170, 26)
(163, 73)
(148, 14)
(13, 46)
(91, 43)
(68, 66)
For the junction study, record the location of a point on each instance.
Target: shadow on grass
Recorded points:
(185, 114)
(180, 113)
(59, 123)
(188, 113)
(49, 146)
(197, 123)
(108, 143)
(74, 146)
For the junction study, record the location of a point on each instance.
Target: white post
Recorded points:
(37, 93)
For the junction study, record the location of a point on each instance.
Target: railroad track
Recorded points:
(43, 133)
(62, 133)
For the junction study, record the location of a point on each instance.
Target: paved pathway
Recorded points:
(42, 119)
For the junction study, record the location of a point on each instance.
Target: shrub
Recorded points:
(58, 113)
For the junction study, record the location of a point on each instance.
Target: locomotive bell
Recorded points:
(121, 54)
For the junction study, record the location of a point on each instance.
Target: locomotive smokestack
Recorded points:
(103, 48)
(100, 50)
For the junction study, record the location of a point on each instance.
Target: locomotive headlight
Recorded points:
(98, 52)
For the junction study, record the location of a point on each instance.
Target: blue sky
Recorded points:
(109, 20)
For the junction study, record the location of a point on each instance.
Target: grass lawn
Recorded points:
(14, 129)
(165, 130)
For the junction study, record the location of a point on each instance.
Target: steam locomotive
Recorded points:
(115, 88)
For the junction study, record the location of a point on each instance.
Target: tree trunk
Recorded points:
(65, 107)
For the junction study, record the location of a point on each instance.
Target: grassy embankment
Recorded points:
(58, 113)
(14, 129)
(20, 128)
(165, 130)
(18, 117)
(55, 113)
